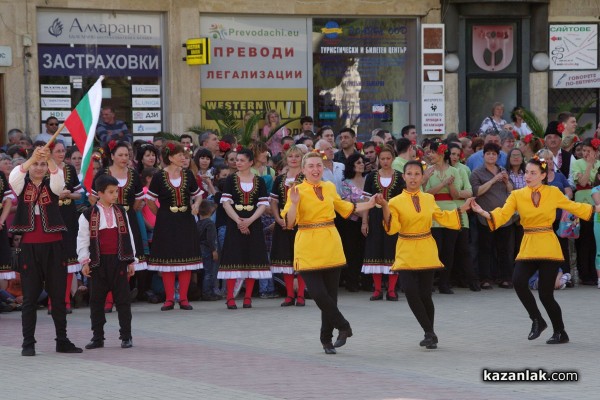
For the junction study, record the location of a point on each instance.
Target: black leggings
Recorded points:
(417, 289)
(548, 271)
(322, 286)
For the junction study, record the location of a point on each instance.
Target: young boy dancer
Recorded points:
(105, 249)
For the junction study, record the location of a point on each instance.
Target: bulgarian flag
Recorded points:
(81, 123)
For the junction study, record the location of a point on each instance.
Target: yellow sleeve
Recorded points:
(342, 207)
(392, 226)
(500, 216)
(286, 208)
(447, 218)
(581, 210)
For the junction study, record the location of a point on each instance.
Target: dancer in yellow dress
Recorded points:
(540, 251)
(410, 215)
(318, 252)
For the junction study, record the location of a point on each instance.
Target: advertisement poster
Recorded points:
(573, 46)
(257, 64)
(362, 69)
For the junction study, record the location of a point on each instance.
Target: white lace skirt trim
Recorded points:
(8, 275)
(376, 269)
(244, 275)
(174, 268)
(282, 270)
(140, 266)
(72, 268)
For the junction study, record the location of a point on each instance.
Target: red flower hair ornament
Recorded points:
(442, 149)
(111, 145)
(528, 138)
(596, 144)
(224, 146)
(359, 146)
(463, 134)
(515, 134)
(286, 147)
(560, 128)
(170, 147)
(238, 148)
(377, 149)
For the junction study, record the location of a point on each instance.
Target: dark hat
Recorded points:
(554, 128)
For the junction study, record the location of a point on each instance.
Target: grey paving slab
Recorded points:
(270, 352)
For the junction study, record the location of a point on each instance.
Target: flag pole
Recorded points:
(53, 138)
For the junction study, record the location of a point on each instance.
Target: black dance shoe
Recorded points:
(300, 302)
(126, 343)
(329, 349)
(342, 336)
(94, 344)
(247, 302)
(377, 295)
(29, 351)
(430, 341)
(289, 301)
(537, 327)
(168, 305)
(445, 290)
(391, 296)
(558, 338)
(231, 304)
(65, 346)
(185, 306)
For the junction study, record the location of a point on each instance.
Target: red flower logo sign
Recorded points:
(442, 149)
(224, 146)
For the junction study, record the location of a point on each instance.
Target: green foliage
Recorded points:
(167, 136)
(534, 123)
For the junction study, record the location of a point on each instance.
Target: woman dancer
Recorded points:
(244, 254)
(312, 205)
(131, 194)
(540, 251)
(282, 249)
(69, 214)
(379, 247)
(410, 215)
(175, 243)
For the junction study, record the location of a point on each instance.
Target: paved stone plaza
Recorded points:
(270, 352)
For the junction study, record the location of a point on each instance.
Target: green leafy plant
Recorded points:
(167, 136)
(534, 123)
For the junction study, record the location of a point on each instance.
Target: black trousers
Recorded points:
(548, 271)
(353, 242)
(503, 240)
(464, 271)
(322, 286)
(110, 275)
(586, 252)
(564, 247)
(43, 266)
(445, 240)
(417, 289)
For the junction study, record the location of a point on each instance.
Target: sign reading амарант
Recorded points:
(88, 27)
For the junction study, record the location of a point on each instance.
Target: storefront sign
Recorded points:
(61, 115)
(146, 115)
(433, 116)
(145, 90)
(5, 56)
(56, 102)
(146, 128)
(197, 51)
(575, 80)
(145, 102)
(82, 27)
(573, 46)
(55, 89)
(112, 61)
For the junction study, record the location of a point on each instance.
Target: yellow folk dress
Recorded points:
(540, 241)
(416, 248)
(318, 244)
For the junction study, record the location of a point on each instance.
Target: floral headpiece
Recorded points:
(576, 139)
(286, 147)
(321, 153)
(413, 142)
(419, 154)
(188, 149)
(359, 146)
(111, 145)
(560, 128)
(423, 165)
(462, 156)
(528, 138)
(377, 149)
(463, 134)
(238, 148)
(96, 157)
(542, 161)
(224, 146)
(596, 144)
(515, 134)
(442, 149)
(169, 148)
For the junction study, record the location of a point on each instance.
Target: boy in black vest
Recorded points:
(38, 182)
(105, 249)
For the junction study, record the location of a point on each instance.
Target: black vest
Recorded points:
(566, 163)
(47, 201)
(125, 251)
